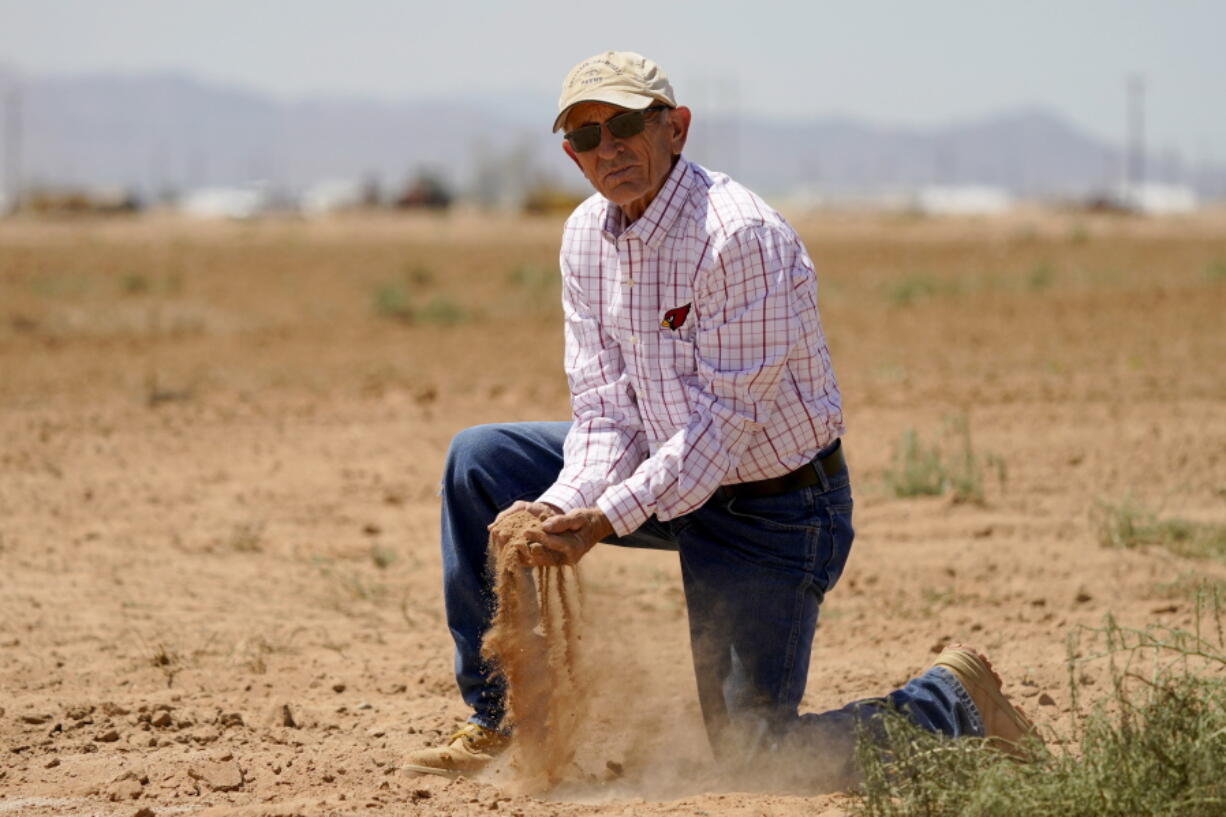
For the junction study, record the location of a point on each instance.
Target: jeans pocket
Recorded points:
(809, 528)
(791, 511)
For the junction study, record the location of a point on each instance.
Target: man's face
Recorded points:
(629, 172)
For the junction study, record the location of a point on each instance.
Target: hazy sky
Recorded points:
(918, 62)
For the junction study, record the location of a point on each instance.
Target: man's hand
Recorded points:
(540, 510)
(566, 537)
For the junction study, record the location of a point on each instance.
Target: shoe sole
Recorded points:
(974, 669)
(413, 768)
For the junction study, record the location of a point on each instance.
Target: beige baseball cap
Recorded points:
(621, 78)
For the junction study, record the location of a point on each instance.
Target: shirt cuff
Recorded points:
(564, 497)
(625, 512)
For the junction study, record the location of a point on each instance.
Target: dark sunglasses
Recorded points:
(622, 126)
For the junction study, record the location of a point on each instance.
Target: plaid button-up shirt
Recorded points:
(694, 351)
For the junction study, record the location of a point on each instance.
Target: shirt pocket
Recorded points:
(677, 355)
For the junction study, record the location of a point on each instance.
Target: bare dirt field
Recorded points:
(220, 446)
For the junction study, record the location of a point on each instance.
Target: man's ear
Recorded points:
(570, 151)
(679, 128)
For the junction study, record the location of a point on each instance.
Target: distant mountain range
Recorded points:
(160, 133)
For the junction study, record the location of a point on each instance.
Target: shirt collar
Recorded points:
(660, 215)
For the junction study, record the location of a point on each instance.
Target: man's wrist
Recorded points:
(611, 504)
(601, 525)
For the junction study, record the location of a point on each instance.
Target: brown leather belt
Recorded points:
(830, 460)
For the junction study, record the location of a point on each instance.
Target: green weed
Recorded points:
(1189, 586)
(418, 276)
(933, 600)
(247, 537)
(532, 277)
(1040, 277)
(1215, 271)
(138, 283)
(382, 556)
(166, 661)
(391, 300)
(1128, 525)
(536, 288)
(907, 291)
(921, 470)
(1154, 745)
(917, 470)
(348, 585)
(441, 310)
(135, 283)
(60, 285)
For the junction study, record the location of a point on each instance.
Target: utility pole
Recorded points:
(1134, 168)
(12, 147)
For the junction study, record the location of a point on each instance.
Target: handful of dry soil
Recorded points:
(533, 644)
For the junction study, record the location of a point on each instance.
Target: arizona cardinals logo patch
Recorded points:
(673, 318)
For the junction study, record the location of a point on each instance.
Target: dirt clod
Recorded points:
(218, 776)
(281, 715)
(122, 790)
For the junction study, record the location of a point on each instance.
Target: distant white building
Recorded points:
(1154, 199)
(226, 202)
(330, 196)
(963, 200)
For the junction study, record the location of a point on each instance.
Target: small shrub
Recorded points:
(1215, 271)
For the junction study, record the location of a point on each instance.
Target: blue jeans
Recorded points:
(754, 571)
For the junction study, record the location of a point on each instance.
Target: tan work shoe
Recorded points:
(468, 750)
(1005, 726)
